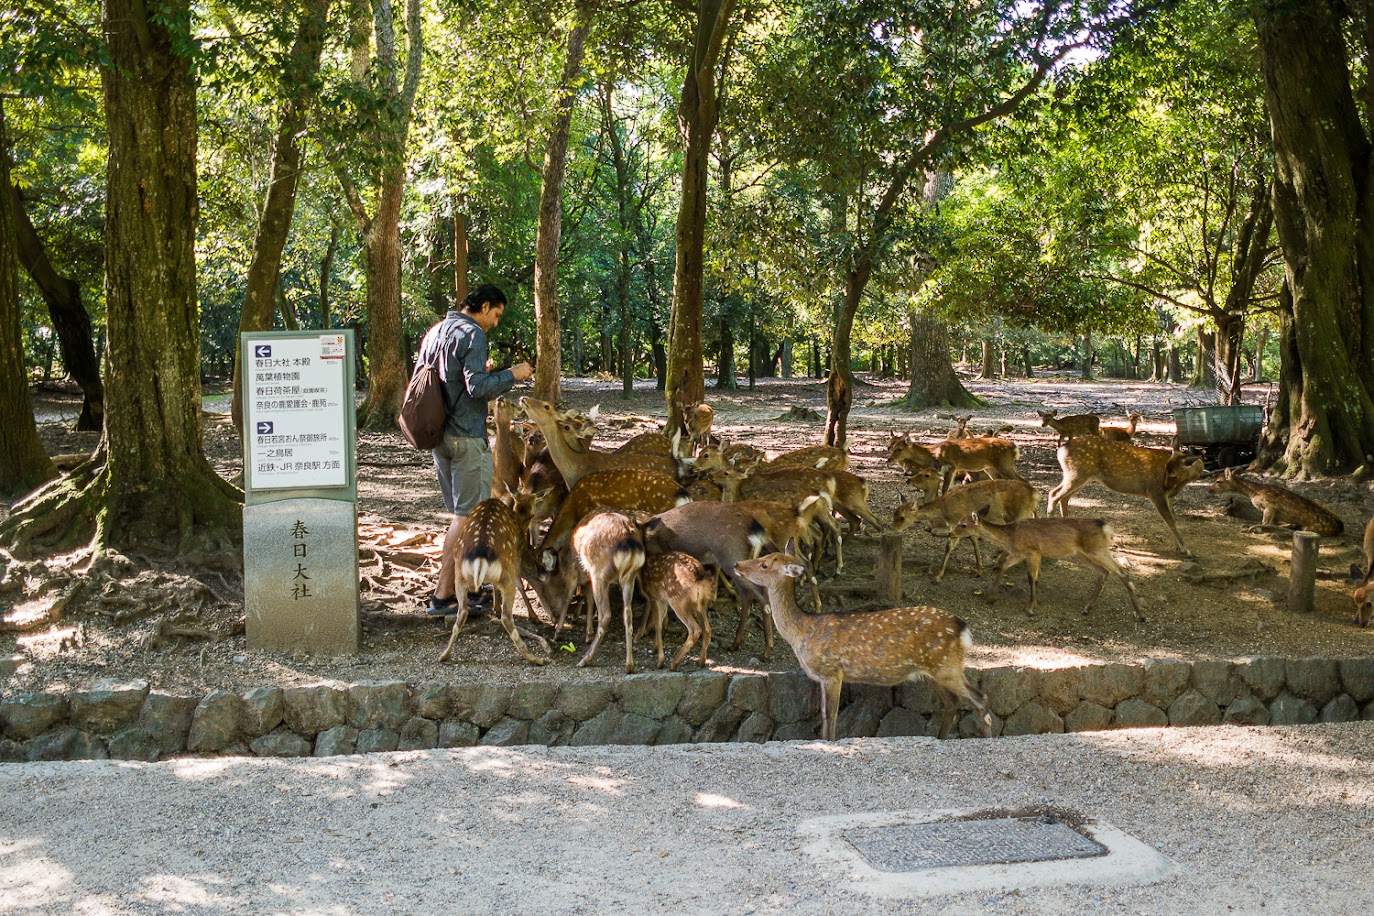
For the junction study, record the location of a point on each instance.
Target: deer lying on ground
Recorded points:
(677, 580)
(728, 454)
(1130, 469)
(1122, 434)
(1082, 424)
(610, 548)
(960, 431)
(648, 442)
(885, 648)
(627, 489)
(1002, 500)
(488, 553)
(574, 460)
(1280, 505)
(1364, 592)
(826, 457)
(1032, 539)
(719, 535)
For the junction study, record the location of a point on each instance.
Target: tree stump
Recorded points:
(889, 573)
(1302, 581)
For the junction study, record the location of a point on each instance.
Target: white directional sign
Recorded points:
(295, 400)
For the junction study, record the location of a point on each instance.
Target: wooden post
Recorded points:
(889, 573)
(1302, 581)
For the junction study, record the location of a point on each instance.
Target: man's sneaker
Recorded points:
(480, 603)
(442, 607)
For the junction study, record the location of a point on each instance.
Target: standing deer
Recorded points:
(507, 451)
(627, 489)
(1122, 434)
(574, 460)
(488, 553)
(610, 548)
(884, 648)
(1364, 592)
(1082, 424)
(1280, 505)
(1003, 500)
(1032, 539)
(677, 580)
(991, 455)
(1129, 469)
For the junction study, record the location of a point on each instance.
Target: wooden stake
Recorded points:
(889, 573)
(1302, 581)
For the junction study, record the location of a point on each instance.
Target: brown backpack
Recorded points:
(423, 411)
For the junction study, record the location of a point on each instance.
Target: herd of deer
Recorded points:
(672, 513)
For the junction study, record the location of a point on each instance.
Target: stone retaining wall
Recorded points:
(132, 721)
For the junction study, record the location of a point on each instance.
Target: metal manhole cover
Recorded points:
(983, 841)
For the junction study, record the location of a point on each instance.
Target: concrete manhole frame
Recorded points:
(1127, 860)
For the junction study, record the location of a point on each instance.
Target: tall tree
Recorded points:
(299, 85)
(150, 481)
(1324, 213)
(23, 462)
(386, 94)
(698, 111)
(548, 346)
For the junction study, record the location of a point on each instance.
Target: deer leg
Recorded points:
(602, 593)
(1120, 572)
(949, 708)
(654, 609)
(689, 620)
(1033, 573)
(705, 632)
(507, 590)
(627, 593)
(1267, 521)
(949, 549)
(1166, 512)
(977, 557)
(830, 705)
(1097, 589)
(746, 606)
(458, 622)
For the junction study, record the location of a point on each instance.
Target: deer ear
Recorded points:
(794, 570)
(594, 412)
(790, 548)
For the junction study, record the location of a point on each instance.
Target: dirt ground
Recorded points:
(196, 643)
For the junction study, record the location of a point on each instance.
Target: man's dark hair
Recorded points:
(472, 302)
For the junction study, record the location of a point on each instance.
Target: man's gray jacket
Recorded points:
(458, 347)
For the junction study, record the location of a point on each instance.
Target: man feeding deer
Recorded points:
(457, 345)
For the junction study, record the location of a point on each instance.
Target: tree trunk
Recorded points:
(1324, 213)
(1204, 367)
(437, 273)
(1085, 369)
(24, 464)
(1229, 336)
(460, 252)
(787, 359)
(156, 485)
(548, 367)
(725, 365)
(660, 356)
(698, 110)
(299, 87)
(839, 385)
(989, 361)
(68, 315)
(934, 382)
(1261, 340)
(623, 191)
(326, 270)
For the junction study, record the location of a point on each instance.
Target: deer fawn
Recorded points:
(960, 431)
(1280, 505)
(1003, 500)
(610, 548)
(1120, 434)
(677, 580)
(1032, 539)
(1129, 469)
(488, 553)
(1082, 424)
(696, 422)
(885, 648)
(574, 460)
(1364, 592)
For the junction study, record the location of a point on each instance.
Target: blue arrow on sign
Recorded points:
(262, 351)
(265, 428)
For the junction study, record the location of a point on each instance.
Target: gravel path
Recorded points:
(1257, 820)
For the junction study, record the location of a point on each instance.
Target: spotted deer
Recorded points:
(1031, 540)
(1122, 434)
(679, 581)
(507, 451)
(574, 460)
(626, 489)
(648, 442)
(488, 553)
(1364, 591)
(883, 648)
(1082, 424)
(609, 546)
(696, 421)
(1003, 500)
(1280, 505)
(990, 455)
(1133, 470)
(827, 457)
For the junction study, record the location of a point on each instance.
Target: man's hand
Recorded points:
(522, 371)
(491, 364)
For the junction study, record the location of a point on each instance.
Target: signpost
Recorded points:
(300, 518)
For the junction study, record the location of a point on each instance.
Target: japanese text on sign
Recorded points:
(295, 401)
